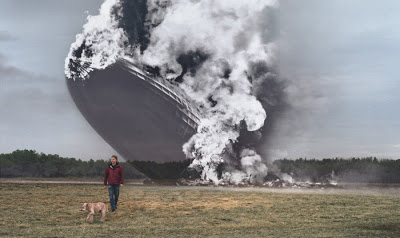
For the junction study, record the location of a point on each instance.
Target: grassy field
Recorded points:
(52, 210)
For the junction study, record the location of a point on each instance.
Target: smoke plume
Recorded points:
(99, 45)
(221, 54)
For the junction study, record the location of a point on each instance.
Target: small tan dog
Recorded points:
(93, 208)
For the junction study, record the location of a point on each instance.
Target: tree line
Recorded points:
(29, 163)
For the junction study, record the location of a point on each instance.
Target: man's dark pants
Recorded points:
(113, 191)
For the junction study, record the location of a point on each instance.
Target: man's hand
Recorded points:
(122, 185)
(105, 186)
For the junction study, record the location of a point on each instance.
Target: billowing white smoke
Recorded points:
(228, 32)
(231, 34)
(100, 44)
(253, 169)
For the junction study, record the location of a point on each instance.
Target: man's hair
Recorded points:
(114, 156)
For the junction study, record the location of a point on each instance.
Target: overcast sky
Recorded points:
(343, 54)
(36, 109)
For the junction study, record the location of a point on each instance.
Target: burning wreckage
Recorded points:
(153, 120)
(170, 98)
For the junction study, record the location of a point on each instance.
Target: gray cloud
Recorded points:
(26, 99)
(340, 60)
(6, 36)
(38, 113)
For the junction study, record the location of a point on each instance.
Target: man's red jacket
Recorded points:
(114, 175)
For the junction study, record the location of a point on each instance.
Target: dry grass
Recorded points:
(52, 210)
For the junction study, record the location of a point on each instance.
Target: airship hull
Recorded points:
(141, 118)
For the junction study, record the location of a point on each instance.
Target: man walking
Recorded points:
(114, 175)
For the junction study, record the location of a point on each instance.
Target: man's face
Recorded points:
(113, 161)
